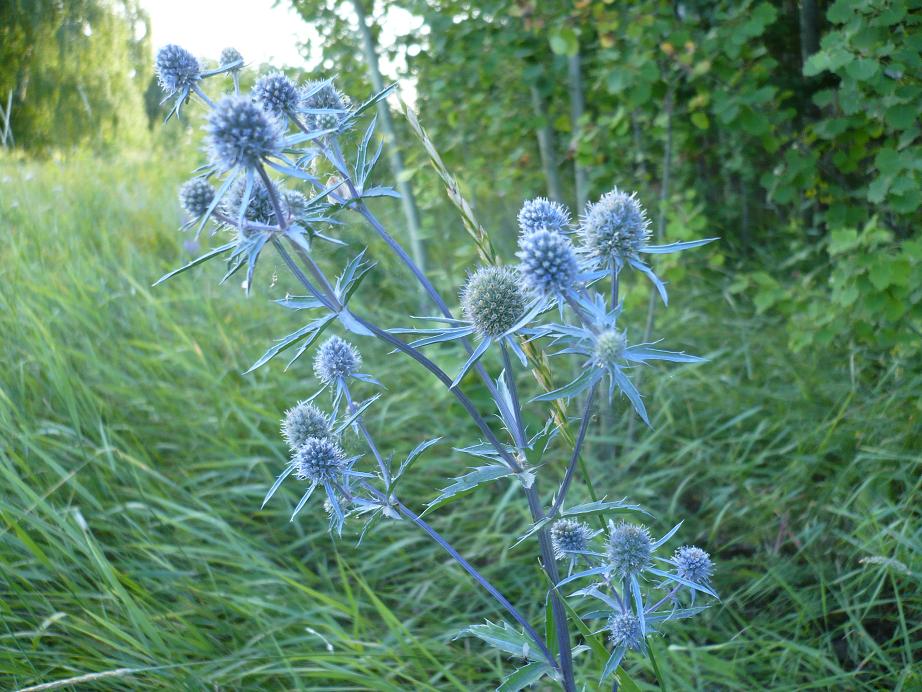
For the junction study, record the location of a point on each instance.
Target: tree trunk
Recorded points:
(577, 107)
(547, 146)
(390, 136)
(809, 29)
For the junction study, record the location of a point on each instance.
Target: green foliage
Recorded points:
(134, 547)
(864, 290)
(77, 70)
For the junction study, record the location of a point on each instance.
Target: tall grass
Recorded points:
(133, 458)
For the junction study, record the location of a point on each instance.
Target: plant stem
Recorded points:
(480, 579)
(385, 474)
(571, 467)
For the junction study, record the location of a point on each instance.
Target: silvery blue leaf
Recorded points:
(675, 247)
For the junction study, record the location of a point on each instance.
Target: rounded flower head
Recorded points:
(694, 564)
(176, 68)
(304, 421)
(614, 228)
(569, 536)
(625, 629)
(295, 202)
(548, 262)
(241, 133)
(276, 93)
(609, 347)
(195, 196)
(326, 97)
(629, 548)
(540, 213)
(336, 358)
(259, 208)
(493, 300)
(319, 460)
(230, 56)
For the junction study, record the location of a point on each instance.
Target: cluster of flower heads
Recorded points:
(314, 437)
(628, 560)
(559, 262)
(612, 233)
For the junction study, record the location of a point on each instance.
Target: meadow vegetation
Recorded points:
(135, 456)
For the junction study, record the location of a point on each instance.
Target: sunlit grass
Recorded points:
(134, 456)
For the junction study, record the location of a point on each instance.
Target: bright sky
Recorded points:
(261, 31)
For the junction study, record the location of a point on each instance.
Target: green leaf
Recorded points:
(700, 120)
(816, 63)
(862, 69)
(901, 117)
(564, 41)
(843, 240)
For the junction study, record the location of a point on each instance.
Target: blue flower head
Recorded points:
(229, 56)
(320, 460)
(195, 196)
(607, 353)
(241, 133)
(614, 229)
(548, 262)
(259, 207)
(540, 213)
(335, 359)
(277, 93)
(493, 299)
(322, 95)
(625, 629)
(630, 548)
(304, 421)
(177, 68)
(569, 536)
(609, 347)
(694, 564)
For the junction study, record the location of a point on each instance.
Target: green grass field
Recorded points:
(134, 457)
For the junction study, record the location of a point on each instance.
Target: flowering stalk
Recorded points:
(251, 141)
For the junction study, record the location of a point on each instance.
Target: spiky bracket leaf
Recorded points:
(505, 638)
(467, 483)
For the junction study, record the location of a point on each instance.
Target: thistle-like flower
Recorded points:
(548, 262)
(277, 93)
(625, 629)
(295, 202)
(323, 104)
(195, 196)
(320, 460)
(493, 300)
(615, 231)
(259, 208)
(336, 358)
(540, 213)
(229, 56)
(607, 352)
(630, 548)
(615, 228)
(177, 69)
(569, 536)
(694, 564)
(609, 347)
(242, 133)
(304, 421)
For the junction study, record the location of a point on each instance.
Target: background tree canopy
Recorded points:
(77, 71)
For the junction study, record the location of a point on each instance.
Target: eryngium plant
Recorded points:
(261, 186)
